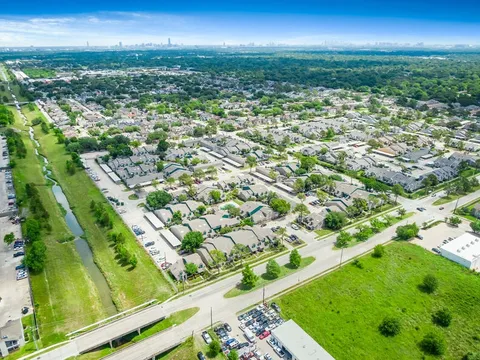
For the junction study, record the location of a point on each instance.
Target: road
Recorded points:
(212, 296)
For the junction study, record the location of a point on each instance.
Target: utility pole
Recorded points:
(211, 318)
(456, 204)
(341, 258)
(263, 294)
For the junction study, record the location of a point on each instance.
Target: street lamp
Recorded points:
(341, 257)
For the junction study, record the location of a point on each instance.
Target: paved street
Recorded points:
(224, 309)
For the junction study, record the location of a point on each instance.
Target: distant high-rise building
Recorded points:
(88, 44)
(120, 44)
(169, 43)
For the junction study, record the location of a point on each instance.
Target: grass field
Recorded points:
(128, 287)
(175, 319)
(342, 310)
(189, 350)
(264, 279)
(35, 73)
(65, 297)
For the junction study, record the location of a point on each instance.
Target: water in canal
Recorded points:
(80, 244)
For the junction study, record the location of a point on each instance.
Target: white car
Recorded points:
(294, 226)
(206, 337)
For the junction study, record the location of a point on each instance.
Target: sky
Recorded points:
(233, 22)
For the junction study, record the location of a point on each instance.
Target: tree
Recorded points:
(282, 233)
(176, 217)
(214, 348)
(343, 239)
(158, 199)
(364, 232)
(185, 179)
(406, 232)
(191, 269)
(433, 343)
(308, 162)
(401, 212)
(335, 220)
(376, 225)
(390, 326)
(281, 206)
(32, 229)
(215, 195)
(239, 251)
(442, 317)
(234, 211)
(430, 283)
(251, 161)
(170, 181)
(192, 241)
(218, 256)
(9, 238)
(159, 166)
(273, 269)
(302, 210)
(233, 355)
(299, 185)
(475, 225)
(249, 277)
(295, 259)
(397, 190)
(455, 221)
(36, 256)
(378, 251)
(273, 175)
(472, 356)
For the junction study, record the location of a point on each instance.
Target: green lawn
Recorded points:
(323, 232)
(189, 350)
(451, 197)
(342, 310)
(65, 297)
(128, 287)
(175, 319)
(264, 279)
(35, 73)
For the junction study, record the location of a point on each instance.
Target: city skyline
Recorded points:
(215, 23)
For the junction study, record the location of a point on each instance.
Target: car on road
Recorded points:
(441, 208)
(206, 337)
(420, 209)
(200, 356)
(435, 250)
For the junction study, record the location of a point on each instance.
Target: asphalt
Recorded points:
(211, 297)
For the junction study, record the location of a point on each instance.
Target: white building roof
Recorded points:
(154, 220)
(299, 343)
(172, 239)
(466, 246)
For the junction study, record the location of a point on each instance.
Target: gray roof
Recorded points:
(298, 343)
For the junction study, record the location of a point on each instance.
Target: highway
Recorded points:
(212, 295)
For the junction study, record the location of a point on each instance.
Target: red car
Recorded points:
(264, 335)
(165, 265)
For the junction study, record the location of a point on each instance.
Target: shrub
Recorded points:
(378, 251)
(430, 283)
(214, 348)
(442, 317)
(433, 344)
(390, 326)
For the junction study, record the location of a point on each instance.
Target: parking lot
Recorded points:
(249, 334)
(437, 235)
(14, 294)
(131, 213)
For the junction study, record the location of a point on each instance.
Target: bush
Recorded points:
(390, 326)
(295, 259)
(430, 283)
(214, 348)
(378, 251)
(442, 317)
(433, 344)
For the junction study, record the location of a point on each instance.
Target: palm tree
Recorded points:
(282, 233)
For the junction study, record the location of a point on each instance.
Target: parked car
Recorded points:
(149, 243)
(294, 226)
(419, 237)
(275, 307)
(24, 310)
(227, 327)
(17, 254)
(20, 267)
(435, 250)
(200, 356)
(206, 337)
(264, 335)
(165, 265)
